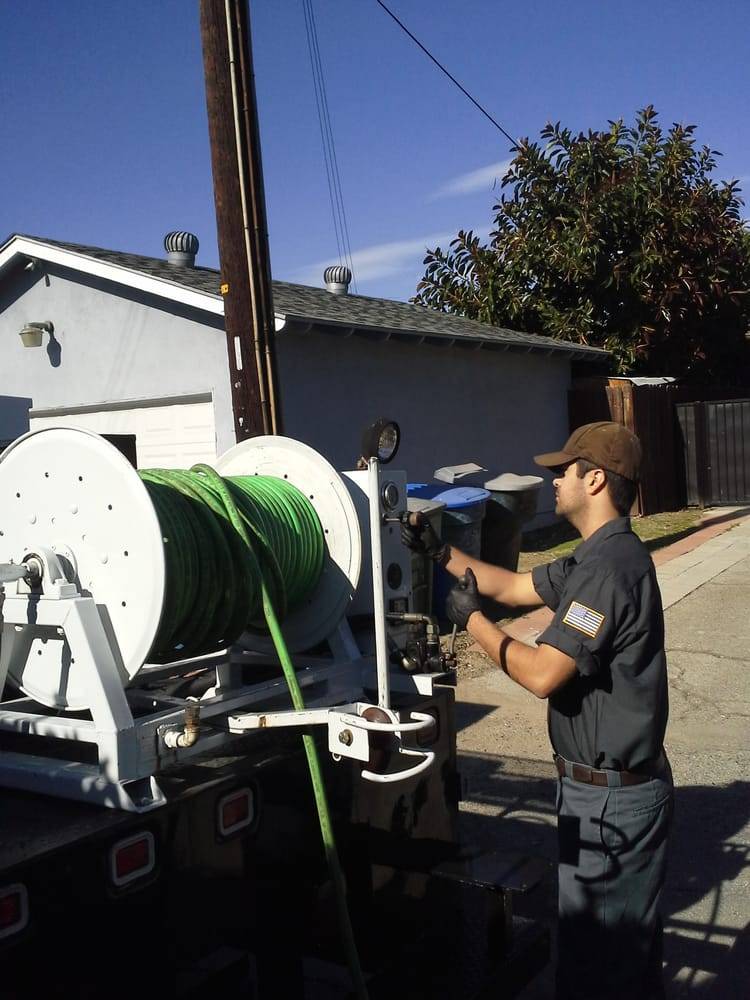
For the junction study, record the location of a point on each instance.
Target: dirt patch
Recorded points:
(472, 661)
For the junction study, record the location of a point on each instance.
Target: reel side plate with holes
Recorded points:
(73, 492)
(303, 467)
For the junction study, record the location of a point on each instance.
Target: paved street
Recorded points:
(510, 781)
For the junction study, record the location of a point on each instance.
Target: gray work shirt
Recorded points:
(609, 619)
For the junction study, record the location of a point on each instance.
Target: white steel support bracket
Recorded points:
(348, 733)
(77, 619)
(116, 779)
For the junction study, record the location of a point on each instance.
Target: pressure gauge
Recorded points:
(390, 496)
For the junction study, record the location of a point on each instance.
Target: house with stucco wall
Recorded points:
(137, 346)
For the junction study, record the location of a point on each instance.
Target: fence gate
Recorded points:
(716, 446)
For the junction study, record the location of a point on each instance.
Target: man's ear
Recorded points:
(598, 481)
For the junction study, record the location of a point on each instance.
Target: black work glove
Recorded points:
(462, 600)
(422, 538)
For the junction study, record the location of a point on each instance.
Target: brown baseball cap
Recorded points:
(608, 445)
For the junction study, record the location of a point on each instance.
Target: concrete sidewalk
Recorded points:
(510, 781)
(697, 564)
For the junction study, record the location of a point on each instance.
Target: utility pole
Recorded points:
(240, 216)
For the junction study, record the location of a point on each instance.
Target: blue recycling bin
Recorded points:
(461, 526)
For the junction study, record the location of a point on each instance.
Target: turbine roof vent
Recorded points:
(337, 279)
(181, 248)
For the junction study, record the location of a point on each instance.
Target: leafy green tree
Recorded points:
(618, 239)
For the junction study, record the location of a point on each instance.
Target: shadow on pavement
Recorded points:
(470, 713)
(509, 806)
(731, 515)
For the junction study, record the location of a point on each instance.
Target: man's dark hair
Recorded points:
(622, 491)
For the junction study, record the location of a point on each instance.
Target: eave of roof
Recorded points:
(296, 306)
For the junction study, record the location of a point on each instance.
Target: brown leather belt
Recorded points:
(597, 776)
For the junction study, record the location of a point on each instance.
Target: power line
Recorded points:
(323, 132)
(338, 188)
(333, 176)
(449, 75)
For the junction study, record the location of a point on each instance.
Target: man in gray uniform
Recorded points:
(602, 667)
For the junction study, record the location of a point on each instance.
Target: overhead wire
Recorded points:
(447, 73)
(323, 136)
(335, 191)
(332, 145)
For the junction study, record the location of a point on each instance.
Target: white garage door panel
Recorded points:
(169, 437)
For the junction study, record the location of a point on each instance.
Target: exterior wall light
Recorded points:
(381, 440)
(31, 333)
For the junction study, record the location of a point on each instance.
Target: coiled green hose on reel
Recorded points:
(213, 575)
(241, 552)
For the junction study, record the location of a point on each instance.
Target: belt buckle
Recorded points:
(580, 772)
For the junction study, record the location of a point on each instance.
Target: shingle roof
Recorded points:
(303, 304)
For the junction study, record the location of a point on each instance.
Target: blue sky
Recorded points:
(104, 132)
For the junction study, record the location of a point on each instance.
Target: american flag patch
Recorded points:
(584, 619)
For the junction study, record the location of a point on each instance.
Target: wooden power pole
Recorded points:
(240, 215)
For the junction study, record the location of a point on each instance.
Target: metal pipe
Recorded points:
(244, 351)
(411, 617)
(189, 736)
(257, 321)
(255, 222)
(378, 600)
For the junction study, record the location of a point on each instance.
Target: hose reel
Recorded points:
(72, 492)
(90, 605)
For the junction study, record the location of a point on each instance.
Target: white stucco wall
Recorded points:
(454, 404)
(111, 344)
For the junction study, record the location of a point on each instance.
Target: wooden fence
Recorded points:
(649, 410)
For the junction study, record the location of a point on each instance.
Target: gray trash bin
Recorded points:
(513, 501)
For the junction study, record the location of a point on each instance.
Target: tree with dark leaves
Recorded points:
(618, 239)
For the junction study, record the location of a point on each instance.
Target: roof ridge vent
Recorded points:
(181, 248)
(337, 279)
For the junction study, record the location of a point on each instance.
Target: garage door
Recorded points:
(172, 435)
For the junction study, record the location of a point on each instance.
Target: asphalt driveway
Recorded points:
(510, 782)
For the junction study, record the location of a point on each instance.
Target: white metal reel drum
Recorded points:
(73, 492)
(304, 468)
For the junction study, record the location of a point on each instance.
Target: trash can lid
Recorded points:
(420, 505)
(454, 497)
(509, 482)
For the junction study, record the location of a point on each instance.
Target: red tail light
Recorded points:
(132, 858)
(235, 812)
(14, 909)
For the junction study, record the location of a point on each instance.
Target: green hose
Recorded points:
(241, 552)
(213, 570)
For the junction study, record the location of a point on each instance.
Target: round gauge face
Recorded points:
(390, 496)
(387, 443)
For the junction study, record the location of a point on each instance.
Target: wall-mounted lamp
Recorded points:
(31, 333)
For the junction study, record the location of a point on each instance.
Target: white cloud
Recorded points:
(383, 260)
(476, 180)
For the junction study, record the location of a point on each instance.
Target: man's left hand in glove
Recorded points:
(463, 600)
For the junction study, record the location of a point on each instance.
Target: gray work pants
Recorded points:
(612, 862)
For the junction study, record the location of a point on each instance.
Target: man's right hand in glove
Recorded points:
(418, 535)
